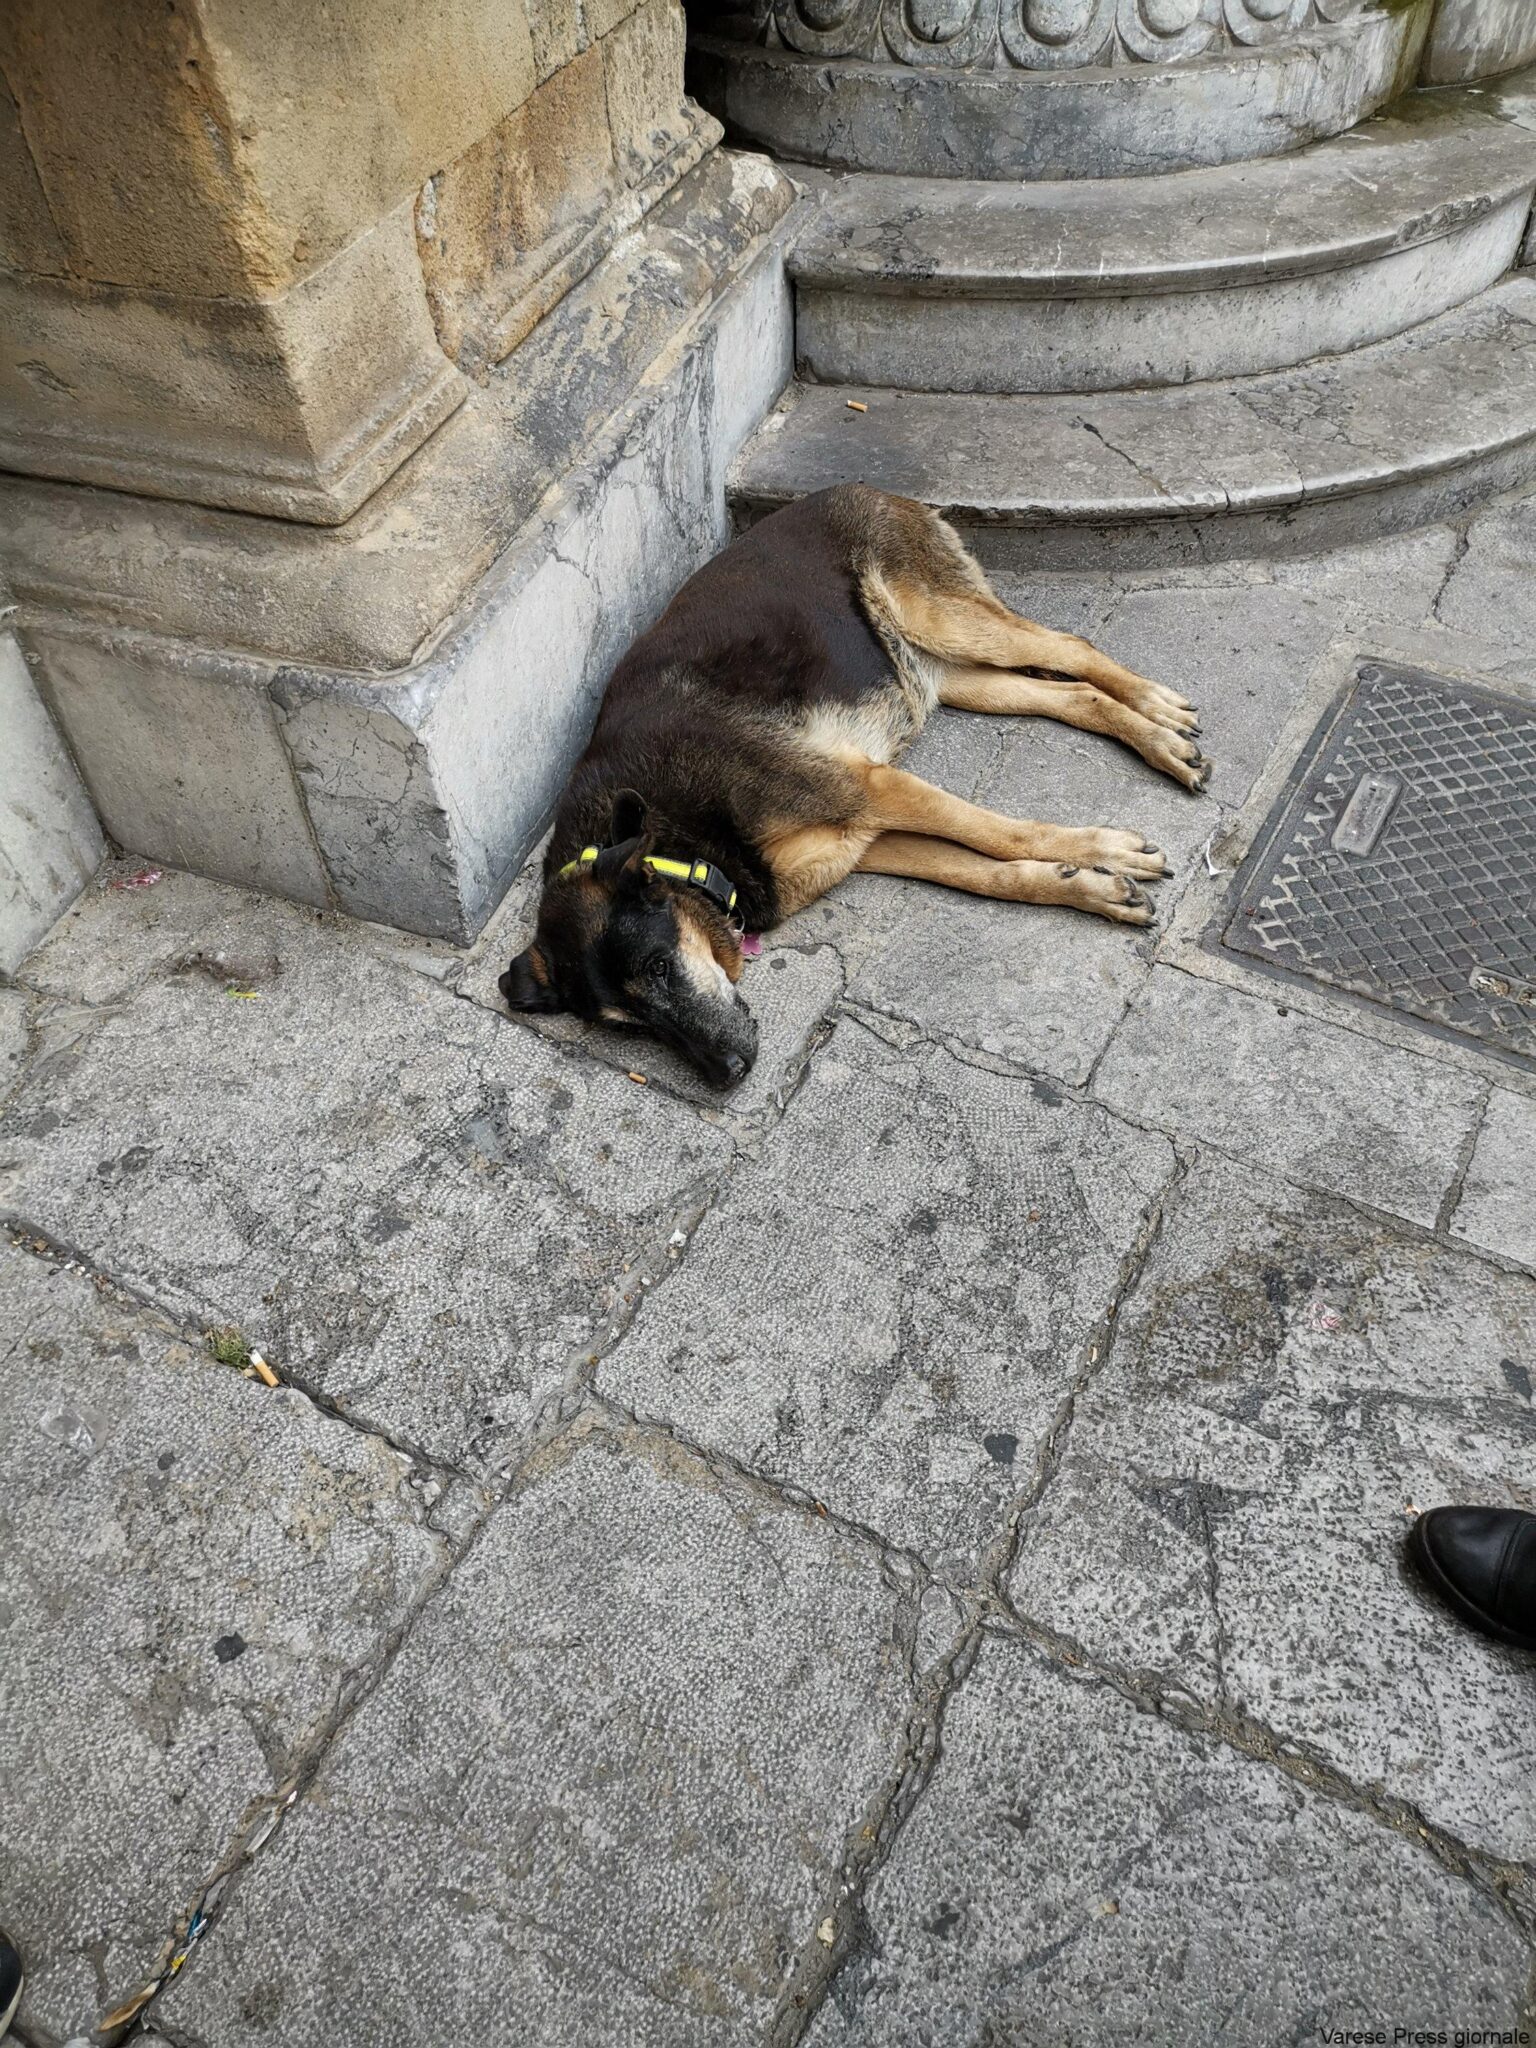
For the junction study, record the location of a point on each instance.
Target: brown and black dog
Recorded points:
(744, 761)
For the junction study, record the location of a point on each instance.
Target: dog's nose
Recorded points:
(736, 1068)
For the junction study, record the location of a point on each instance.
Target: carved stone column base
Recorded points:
(1105, 104)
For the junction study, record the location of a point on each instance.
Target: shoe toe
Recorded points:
(1467, 1547)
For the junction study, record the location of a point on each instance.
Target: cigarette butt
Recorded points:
(264, 1371)
(637, 1077)
(855, 405)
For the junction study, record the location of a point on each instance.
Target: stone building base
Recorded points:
(378, 717)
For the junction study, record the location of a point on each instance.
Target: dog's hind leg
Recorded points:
(969, 626)
(1072, 703)
(898, 802)
(1013, 881)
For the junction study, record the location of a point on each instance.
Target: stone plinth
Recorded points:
(379, 716)
(49, 838)
(463, 298)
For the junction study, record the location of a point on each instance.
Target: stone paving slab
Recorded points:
(1289, 1377)
(417, 1209)
(886, 1309)
(118, 935)
(194, 1566)
(603, 1794)
(1326, 1106)
(1078, 1872)
(15, 1036)
(1497, 1208)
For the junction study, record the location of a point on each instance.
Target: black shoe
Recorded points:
(1482, 1562)
(10, 1981)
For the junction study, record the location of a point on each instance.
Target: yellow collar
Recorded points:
(702, 874)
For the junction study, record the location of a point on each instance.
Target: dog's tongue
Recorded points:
(751, 945)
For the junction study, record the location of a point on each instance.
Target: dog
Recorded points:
(744, 761)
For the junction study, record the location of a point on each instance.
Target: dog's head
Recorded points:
(618, 943)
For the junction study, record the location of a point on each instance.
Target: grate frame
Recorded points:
(1397, 866)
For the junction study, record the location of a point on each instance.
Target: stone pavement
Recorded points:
(906, 1554)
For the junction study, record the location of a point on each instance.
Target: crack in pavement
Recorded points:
(1510, 1885)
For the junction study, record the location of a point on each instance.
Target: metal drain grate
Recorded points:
(1400, 863)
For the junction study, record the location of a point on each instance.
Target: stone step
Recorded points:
(1048, 104)
(1407, 431)
(941, 284)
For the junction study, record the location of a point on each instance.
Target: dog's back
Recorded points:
(776, 620)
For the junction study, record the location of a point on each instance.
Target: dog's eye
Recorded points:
(659, 967)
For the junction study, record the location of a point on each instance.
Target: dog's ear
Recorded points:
(628, 820)
(526, 985)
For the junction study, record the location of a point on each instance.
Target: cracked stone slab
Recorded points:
(1079, 1872)
(195, 1567)
(604, 1788)
(415, 1208)
(885, 1310)
(1291, 1093)
(1497, 1209)
(788, 989)
(1490, 587)
(1288, 1377)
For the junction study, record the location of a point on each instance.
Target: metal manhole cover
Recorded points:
(1400, 862)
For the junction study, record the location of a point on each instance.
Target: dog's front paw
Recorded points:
(1163, 706)
(1116, 896)
(1104, 892)
(1127, 853)
(1177, 755)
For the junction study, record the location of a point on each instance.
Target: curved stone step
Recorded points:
(954, 285)
(1094, 120)
(1410, 430)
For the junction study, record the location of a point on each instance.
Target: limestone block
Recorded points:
(299, 405)
(603, 16)
(374, 796)
(559, 34)
(232, 145)
(348, 111)
(1478, 39)
(643, 62)
(376, 594)
(506, 212)
(49, 838)
(144, 170)
(183, 759)
(28, 238)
